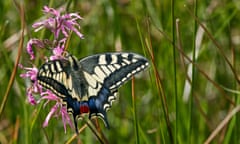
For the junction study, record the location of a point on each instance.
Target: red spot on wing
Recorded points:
(84, 109)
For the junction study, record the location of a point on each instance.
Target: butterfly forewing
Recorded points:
(55, 75)
(112, 69)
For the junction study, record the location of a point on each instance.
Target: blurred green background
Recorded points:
(177, 101)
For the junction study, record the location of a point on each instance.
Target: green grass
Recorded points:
(152, 108)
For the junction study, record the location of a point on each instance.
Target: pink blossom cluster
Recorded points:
(61, 25)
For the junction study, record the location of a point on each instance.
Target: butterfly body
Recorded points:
(90, 85)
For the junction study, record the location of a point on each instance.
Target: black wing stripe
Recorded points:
(56, 87)
(119, 58)
(108, 58)
(120, 76)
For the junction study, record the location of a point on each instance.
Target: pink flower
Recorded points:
(54, 110)
(52, 11)
(31, 72)
(31, 99)
(50, 114)
(58, 51)
(59, 23)
(35, 88)
(66, 118)
(30, 45)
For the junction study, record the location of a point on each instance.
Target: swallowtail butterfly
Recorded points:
(90, 85)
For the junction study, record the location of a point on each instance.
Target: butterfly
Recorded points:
(90, 85)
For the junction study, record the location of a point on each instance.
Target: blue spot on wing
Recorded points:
(96, 104)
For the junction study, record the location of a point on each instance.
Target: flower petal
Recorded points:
(66, 118)
(30, 97)
(50, 114)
